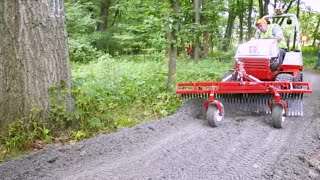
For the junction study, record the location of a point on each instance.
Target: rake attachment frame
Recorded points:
(210, 90)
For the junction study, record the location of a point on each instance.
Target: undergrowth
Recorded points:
(107, 94)
(310, 56)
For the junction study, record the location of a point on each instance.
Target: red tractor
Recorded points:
(261, 56)
(260, 82)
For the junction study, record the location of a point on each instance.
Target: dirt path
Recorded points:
(183, 146)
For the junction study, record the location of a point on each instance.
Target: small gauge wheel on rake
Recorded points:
(214, 116)
(278, 115)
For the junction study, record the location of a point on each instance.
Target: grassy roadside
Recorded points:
(109, 94)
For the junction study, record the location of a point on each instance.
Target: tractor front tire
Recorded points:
(214, 117)
(278, 117)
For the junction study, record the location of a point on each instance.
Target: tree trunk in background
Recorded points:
(316, 32)
(205, 35)
(196, 52)
(231, 18)
(241, 7)
(172, 50)
(295, 33)
(34, 56)
(250, 7)
(261, 8)
(265, 7)
(104, 14)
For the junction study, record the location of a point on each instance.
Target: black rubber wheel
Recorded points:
(278, 117)
(298, 78)
(214, 117)
(284, 77)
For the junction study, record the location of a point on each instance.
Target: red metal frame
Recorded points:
(264, 87)
(259, 67)
(248, 87)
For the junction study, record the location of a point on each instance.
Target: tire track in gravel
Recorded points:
(142, 157)
(295, 162)
(183, 146)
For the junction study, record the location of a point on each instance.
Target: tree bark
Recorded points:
(196, 53)
(261, 13)
(295, 33)
(249, 22)
(33, 56)
(231, 18)
(265, 7)
(240, 12)
(205, 34)
(172, 49)
(315, 32)
(104, 14)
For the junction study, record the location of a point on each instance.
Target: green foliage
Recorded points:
(23, 132)
(108, 94)
(81, 26)
(118, 89)
(82, 51)
(310, 56)
(80, 20)
(210, 69)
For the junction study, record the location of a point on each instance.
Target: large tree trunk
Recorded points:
(33, 55)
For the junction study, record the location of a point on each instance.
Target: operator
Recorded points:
(272, 31)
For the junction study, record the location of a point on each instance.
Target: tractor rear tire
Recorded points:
(278, 117)
(214, 117)
(284, 77)
(298, 78)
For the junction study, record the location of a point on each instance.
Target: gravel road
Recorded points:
(183, 146)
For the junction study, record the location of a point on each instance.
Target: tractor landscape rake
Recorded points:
(269, 97)
(263, 80)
